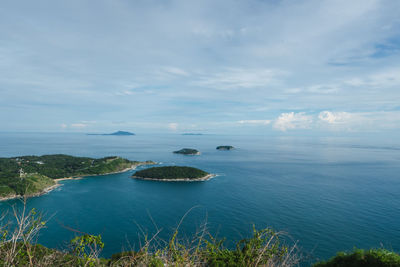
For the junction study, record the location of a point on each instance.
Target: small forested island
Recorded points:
(187, 151)
(123, 133)
(173, 173)
(35, 175)
(225, 147)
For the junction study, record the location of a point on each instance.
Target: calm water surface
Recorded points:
(329, 193)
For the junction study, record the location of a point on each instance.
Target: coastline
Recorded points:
(38, 194)
(201, 179)
(87, 175)
(57, 184)
(188, 154)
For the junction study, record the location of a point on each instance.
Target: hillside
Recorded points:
(32, 174)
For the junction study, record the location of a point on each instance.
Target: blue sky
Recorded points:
(200, 66)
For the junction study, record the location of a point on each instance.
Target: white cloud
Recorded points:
(216, 62)
(291, 120)
(255, 122)
(175, 71)
(234, 78)
(293, 90)
(323, 89)
(124, 93)
(381, 79)
(168, 74)
(173, 126)
(355, 82)
(78, 125)
(359, 121)
(89, 122)
(335, 117)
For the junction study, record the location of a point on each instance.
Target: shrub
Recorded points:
(363, 258)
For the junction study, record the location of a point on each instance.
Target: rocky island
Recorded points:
(120, 133)
(187, 151)
(225, 147)
(36, 175)
(173, 174)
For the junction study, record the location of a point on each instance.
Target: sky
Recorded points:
(178, 66)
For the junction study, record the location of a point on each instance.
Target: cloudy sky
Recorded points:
(200, 66)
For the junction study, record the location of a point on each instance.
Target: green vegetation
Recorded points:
(170, 172)
(33, 183)
(363, 258)
(225, 147)
(41, 256)
(187, 151)
(263, 248)
(32, 174)
(87, 248)
(18, 244)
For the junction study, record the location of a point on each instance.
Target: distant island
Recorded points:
(36, 175)
(123, 133)
(173, 174)
(192, 134)
(187, 151)
(225, 147)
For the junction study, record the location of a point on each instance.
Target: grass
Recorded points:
(18, 247)
(264, 247)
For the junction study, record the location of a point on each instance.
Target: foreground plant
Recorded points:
(17, 243)
(18, 248)
(363, 258)
(264, 248)
(87, 248)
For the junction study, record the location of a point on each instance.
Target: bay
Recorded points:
(330, 193)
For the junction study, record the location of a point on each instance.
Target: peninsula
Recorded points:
(120, 133)
(36, 175)
(187, 151)
(173, 174)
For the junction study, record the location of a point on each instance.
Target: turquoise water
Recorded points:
(330, 194)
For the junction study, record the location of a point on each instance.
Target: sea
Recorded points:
(327, 194)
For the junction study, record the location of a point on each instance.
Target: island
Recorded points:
(187, 151)
(192, 134)
(119, 133)
(173, 174)
(35, 175)
(225, 147)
